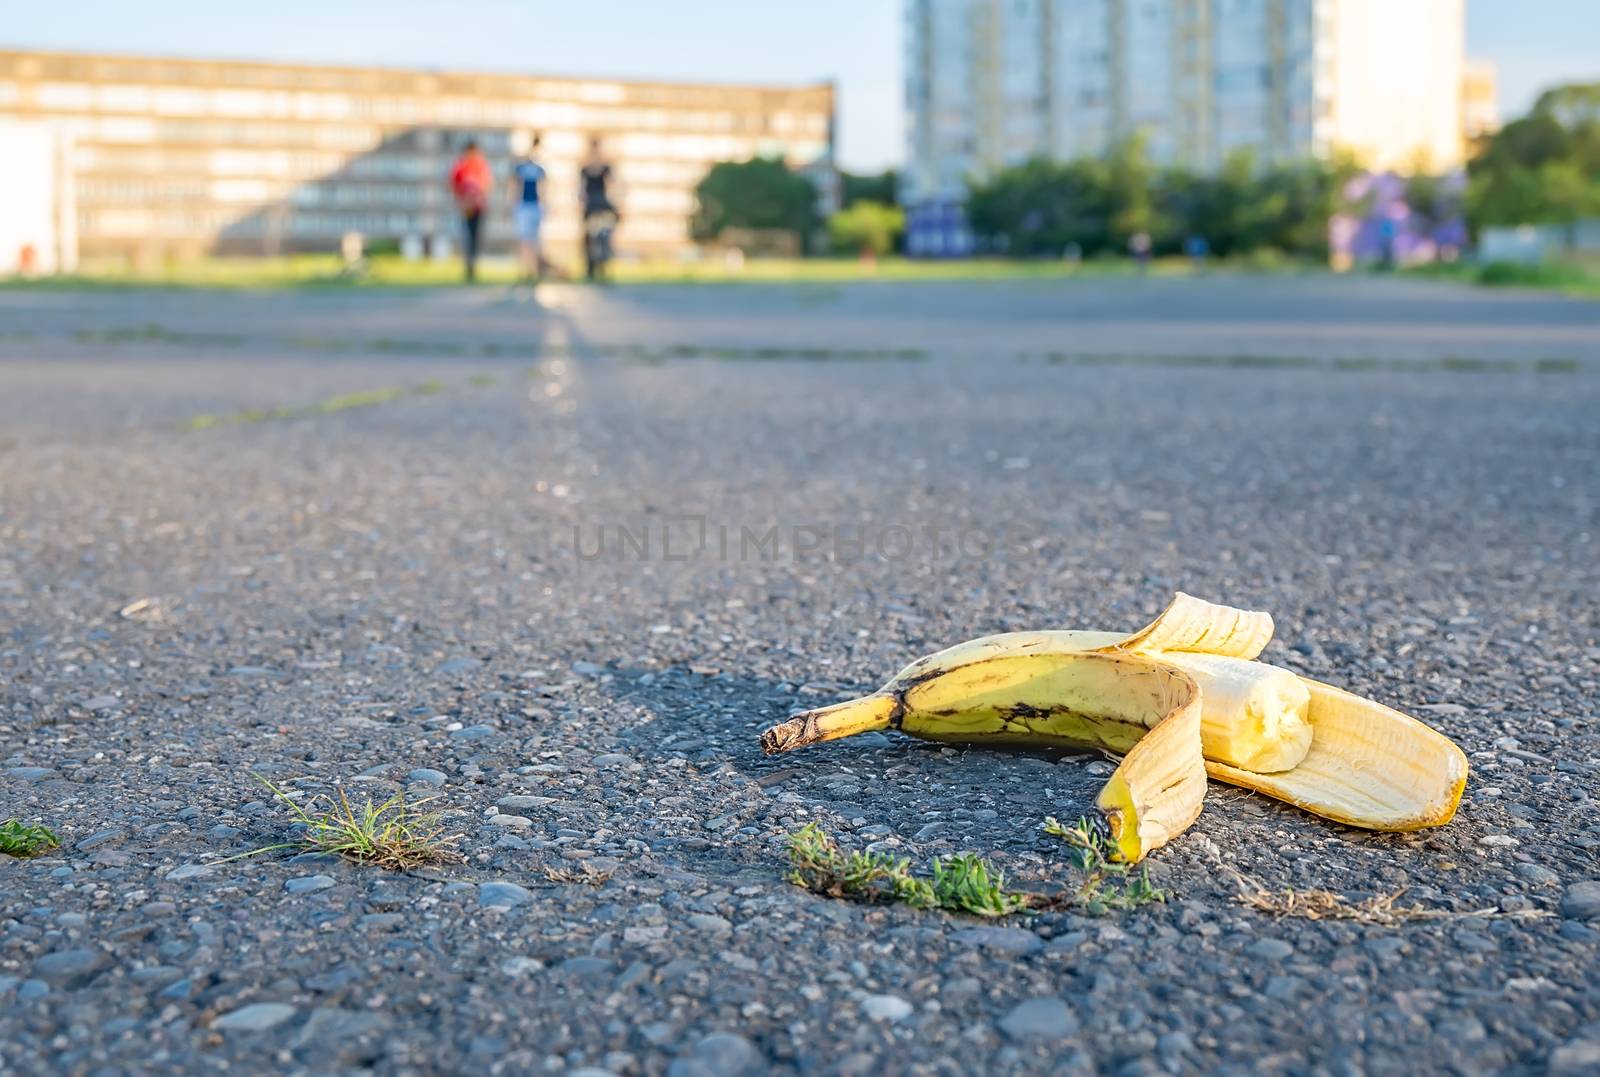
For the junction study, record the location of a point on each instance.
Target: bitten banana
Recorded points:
(1253, 715)
(1180, 697)
(1369, 766)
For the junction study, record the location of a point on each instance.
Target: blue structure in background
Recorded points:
(938, 230)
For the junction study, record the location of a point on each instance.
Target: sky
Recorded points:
(854, 43)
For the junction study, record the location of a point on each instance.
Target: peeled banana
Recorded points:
(1180, 698)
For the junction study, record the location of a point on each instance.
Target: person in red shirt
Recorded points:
(471, 182)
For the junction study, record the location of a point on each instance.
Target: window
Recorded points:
(67, 96)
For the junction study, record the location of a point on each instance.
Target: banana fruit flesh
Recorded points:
(1254, 716)
(1180, 698)
(1369, 766)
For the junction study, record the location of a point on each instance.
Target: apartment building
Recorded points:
(993, 82)
(1480, 100)
(169, 157)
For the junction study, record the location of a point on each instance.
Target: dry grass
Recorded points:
(585, 874)
(1384, 910)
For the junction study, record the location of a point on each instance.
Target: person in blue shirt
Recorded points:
(526, 177)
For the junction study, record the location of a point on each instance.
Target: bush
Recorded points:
(866, 226)
(1544, 275)
(1040, 207)
(761, 193)
(1542, 168)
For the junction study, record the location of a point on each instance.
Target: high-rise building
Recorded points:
(992, 82)
(170, 157)
(1480, 100)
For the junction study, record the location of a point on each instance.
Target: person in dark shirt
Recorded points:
(599, 215)
(526, 176)
(594, 179)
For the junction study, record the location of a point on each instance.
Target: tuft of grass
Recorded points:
(347, 401)
(1556, 366)
(391, 835)
(23, 840)
(481, 381)
(1108, 884)
(151, 332)
(961, 883)
(330, 406)
(204, 421)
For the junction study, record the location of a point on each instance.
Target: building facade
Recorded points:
(1480, 101)
(992, 82)
(181, 157)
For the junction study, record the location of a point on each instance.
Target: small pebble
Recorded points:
(886, 1007)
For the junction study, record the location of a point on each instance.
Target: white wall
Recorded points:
(36, 203)
(1396, 94)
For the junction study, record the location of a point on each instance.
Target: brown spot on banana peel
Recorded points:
(1021, 712)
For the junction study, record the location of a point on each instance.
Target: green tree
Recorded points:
(1041, 206)
(866, 226)
(1131, 190)
(1303, 196)
(1230, 210)
(1541, 168)
(880, 187)
(759, 193)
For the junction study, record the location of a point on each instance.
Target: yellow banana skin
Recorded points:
(1181, 697)
(1143, 709)
(1411, 777)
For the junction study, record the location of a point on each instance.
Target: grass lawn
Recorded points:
(326, 271)
(1572, 278)
(391, 271)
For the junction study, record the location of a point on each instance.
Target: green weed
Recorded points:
(23, 840)
(153, 333)
(331, 406)
(967, 883)
(960, 883)
(391, 835)
(1108, 883)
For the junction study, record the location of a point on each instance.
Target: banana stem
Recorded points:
(845, 719)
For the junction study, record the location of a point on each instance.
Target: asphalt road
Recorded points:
(518, 553)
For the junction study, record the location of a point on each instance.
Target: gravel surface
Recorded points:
(538, 579)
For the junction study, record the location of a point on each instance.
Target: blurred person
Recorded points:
(1198, 248)
(1139, 247)
(526, 176)
(1388, 241)
(471, 183)
(599, 215)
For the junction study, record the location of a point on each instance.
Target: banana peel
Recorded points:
(1368, 766)
(1180, 699)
